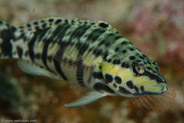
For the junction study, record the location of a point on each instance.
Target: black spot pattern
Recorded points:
(98, 75)
(141, 57)
(116, 61)
(58, 21)
(116, 49)
(132, 57)
(124, 51)
(108, 78)
(44, 25)
(35, 23)
(130, 84)
(142, 88)
(138, 61)
(118, 80)
(28, 25)
(148, 62)
(51, 20)
(104, 25)
(118, 37)
(127, 66)
(123, 64)
(136, 89)
(124, 43)
(42, 21)
(114, 85)
(149, 68)
(103, 87)
(131, 49)
(109, 60)
(123, 90)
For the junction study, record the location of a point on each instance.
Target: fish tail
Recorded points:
(7, 36)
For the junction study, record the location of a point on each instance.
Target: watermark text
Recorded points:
(18, 121)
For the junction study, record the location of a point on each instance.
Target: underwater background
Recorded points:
(154, 26)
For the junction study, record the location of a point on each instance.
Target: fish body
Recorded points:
(91, 54)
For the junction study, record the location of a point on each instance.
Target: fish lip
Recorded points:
(162, 85)
(159, 85)
(146, 93)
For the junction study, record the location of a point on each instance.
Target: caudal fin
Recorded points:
(7, 32)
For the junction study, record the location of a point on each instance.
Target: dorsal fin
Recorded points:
(55, 21)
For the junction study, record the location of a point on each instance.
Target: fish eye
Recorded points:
(138, 69)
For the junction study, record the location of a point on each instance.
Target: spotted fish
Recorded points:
(93, 55)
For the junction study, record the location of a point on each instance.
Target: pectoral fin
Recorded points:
(86, 99)
(31, 68)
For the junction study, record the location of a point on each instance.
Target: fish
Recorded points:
(91, 54)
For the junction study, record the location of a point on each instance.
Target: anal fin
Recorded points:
(34, 69)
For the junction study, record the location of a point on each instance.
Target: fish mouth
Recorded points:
(154, 90)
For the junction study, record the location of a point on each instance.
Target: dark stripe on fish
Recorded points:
(154, 77)
(80, 71)
(78, 32)
(37, 35)
(95, 34)
(6, 45)
(20, 51)
(42, 33)
(80, 67)
(108, 38)
(103, 87)
(59, 33)
(44, 54)
(58, 60)
(82, 48)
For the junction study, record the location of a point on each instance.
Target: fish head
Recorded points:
(134, 78)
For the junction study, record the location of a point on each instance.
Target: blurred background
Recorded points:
(154, 26)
